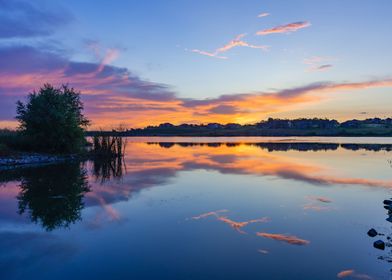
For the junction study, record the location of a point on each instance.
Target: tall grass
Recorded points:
(109, 145)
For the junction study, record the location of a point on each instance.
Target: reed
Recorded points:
(108, 145)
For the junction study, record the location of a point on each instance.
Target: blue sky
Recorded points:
(154, 41)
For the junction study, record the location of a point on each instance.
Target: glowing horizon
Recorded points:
(268, 62)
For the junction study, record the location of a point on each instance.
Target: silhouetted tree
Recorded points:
(52, 120)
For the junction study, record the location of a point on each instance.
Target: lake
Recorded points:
(203, 208)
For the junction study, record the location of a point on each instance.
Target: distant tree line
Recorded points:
(269, 127)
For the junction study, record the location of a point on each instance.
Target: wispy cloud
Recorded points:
(291, 239)
(286, 28)
(110, 56)
(263, 15)
(210, 54)
(236, 42)
(318, 63)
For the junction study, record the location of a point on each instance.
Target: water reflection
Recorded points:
(284, 146)
(351, 273)
(290, 239)
(105, 169)
(133, 210)
(51, 196)
(237, 226)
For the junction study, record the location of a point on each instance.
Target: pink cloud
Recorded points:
(236, 42)
(287, 28)
(110, 56)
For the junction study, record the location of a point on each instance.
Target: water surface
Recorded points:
(202, 208)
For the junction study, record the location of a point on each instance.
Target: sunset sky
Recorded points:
(146, 62)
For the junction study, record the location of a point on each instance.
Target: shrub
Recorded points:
(52, 120)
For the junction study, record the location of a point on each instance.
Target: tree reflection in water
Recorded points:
(51, 195)
(105, 169)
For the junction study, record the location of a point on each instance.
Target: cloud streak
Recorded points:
(236, 42)
(318, 63)
(286, 28)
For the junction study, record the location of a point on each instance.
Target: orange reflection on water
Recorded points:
(245, 159)
(239, 225)
(352, 274)
(291, 239)
(208, 214)
(235, 225)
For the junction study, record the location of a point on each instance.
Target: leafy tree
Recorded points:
(52, 120)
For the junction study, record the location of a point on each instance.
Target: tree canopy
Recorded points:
(52, 120)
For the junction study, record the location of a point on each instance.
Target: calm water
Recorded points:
(205, 208)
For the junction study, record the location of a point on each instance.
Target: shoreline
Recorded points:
(31, 160)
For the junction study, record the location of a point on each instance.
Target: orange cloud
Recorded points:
(286, 28)
(291, 239)
(114, 95)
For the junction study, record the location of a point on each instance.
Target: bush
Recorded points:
(52, 120)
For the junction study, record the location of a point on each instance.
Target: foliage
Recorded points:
(52, 120)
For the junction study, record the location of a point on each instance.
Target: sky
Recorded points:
(139, 63)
